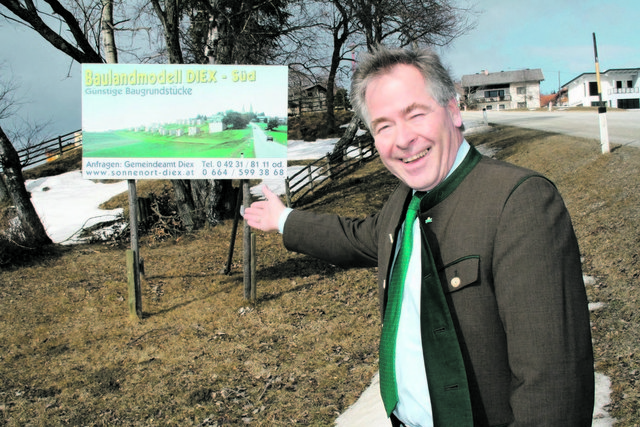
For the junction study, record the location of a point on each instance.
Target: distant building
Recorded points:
(308, 99)
(620, 89)
(506, 90)
(216, 124)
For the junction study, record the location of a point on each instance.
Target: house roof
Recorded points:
(503, 77)
(319, 86)
(604, 73)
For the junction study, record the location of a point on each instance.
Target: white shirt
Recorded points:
(414, 404)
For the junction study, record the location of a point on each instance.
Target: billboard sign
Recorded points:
(184, 121)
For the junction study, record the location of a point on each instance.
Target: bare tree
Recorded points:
(411, 22)
(31, 15)
(12, 181)
(217, 31)
(336, 20)
(405, 23)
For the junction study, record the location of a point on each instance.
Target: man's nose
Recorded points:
(405, 136)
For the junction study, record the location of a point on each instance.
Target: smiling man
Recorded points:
(485, 319)
(417, 138)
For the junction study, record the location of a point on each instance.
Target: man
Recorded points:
(493, 244)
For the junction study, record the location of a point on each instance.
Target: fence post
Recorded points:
(287, 192)
(60, 144)
(310, 178)
(329, 166)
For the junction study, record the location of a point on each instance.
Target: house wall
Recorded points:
(216, 127)
(629, 90)
(612, 95)
(517, 95)
(525, 95)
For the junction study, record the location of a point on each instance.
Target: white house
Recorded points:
(505, 90)
(215, 124)
(620, 89)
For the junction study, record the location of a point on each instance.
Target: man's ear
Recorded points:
(454, 112)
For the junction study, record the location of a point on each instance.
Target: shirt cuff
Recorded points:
(283, 219)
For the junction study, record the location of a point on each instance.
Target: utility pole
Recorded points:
(602, 108)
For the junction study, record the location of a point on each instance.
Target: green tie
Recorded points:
(388, 386)
(444, 365)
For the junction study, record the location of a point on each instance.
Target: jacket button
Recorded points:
(455, 282)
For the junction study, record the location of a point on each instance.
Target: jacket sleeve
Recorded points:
(341, 241)
(543, 307)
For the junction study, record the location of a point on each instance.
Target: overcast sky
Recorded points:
(554, 35)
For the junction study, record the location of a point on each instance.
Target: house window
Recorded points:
(629, 83)
(593, 88)
(629, 103)
(522, 105)
(521, 90)
(618, 84)
(493, 93)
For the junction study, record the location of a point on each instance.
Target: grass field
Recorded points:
(131, 144)
(203, 356)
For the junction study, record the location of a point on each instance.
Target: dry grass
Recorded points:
(308, 347)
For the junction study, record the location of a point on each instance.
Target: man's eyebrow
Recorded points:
(375, 122)
(413, 107)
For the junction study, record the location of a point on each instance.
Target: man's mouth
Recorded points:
(417, 156)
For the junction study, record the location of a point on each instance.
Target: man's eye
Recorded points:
(382, 128)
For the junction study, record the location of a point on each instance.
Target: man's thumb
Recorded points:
(268, 194)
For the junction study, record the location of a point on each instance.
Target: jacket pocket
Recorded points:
(461, 273)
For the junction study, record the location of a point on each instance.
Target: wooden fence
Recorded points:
(325, 169)
(297, 186)
(50, 150)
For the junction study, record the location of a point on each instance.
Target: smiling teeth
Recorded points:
(417, 156)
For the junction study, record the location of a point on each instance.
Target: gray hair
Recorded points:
(380, 62)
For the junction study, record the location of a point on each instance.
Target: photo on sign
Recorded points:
(187, 121)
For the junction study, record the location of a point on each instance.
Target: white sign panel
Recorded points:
(184, 121)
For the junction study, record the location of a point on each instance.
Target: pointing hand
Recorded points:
(265, 214)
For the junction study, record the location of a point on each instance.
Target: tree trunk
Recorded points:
(170, 19)
(108, 39)
(4, 194)
(184, 202)
(34, 232)
(340, 35)
(214, 199)
(346, 140)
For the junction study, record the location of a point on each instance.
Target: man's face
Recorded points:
(416, 137)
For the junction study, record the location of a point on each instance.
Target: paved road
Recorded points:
(265, 148)
(623, 126)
